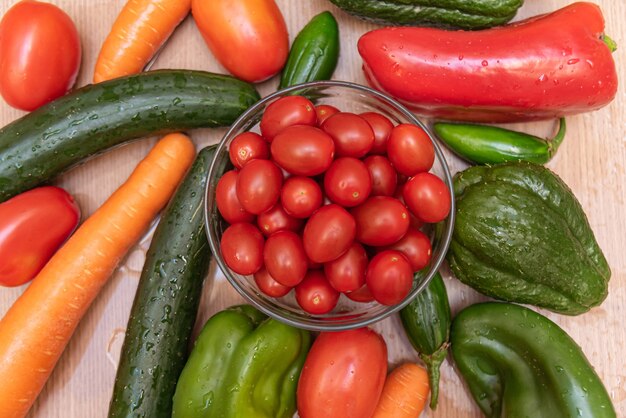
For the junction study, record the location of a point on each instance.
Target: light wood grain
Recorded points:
(592, 161)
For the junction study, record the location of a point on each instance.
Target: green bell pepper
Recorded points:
(243, 365)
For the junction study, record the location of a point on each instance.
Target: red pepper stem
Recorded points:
(554, 143)
(609, 42)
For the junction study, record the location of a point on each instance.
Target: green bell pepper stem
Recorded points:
(609, 42)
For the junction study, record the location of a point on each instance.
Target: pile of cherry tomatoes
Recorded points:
(328, 202)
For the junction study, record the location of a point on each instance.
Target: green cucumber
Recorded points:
(166, 303)
(53, 138)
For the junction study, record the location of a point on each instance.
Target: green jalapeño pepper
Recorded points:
(519, 364)
(243, 365)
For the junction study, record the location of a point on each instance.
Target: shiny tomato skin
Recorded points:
(40, 54)
(258, 186)
(324, 112)
(427, 197)
(361, 295)
(301, 196)
(328, 233)
(276, 219)
(384, 176)
(285, 259)
(242, 248)
(382, 126)
(352, 134)
(248, 37)
(347, 182)
(410, 149)
(270, 287)
(227, 200)
(389, 277)
(248, 146)
(33, 225)
(343, 375)
(347, 273)
(380, 221)
(315, 295)
(285, 112)
(416, 247)
(303, 150)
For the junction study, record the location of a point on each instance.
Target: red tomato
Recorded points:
(301, 196)
(352, 134)
(343, 375)
(303, 150)
(347, 273)
(381, 220)
(276, 219)
(242, 248)
(285, 259)
(248, 146)
(268, 285)
(389, 277)
(33, 225)
(39, 54)
(328, 233)
(227, 201)
(410, 149)
(285, 112)
(428, 197)
(347, 182)
(258, 186)
(248, 37)
(324, 112)
(315, 295)
(362, 295)
(382, 127)
(415, 245)
(383, 175)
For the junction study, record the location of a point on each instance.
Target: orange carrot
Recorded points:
(141, 28)
(35, 331)
(405, 393)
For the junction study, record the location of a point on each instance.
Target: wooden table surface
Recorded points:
(592, 162)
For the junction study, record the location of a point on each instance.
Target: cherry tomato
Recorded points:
(301, 196)
(258, 186)
(347, 182)
(389, 277)
(362, 295)
(227, 201)
(328, 233)
(352, 134)
(285, 259)
(427, 197)
(343, 375)
(242, 248)
(303, 150)
(324, 112)
(383, 175)
(39, 54)
(381, 220)
(416, 247)
(276, 219)
(268, 285)
(285, 112)
(248, 37)
(248, 146)
(315, 295)
(347, 273)
(382, 127)
(410, 149)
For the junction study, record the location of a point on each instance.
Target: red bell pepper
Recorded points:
(544, 67)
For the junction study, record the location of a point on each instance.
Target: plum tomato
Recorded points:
(258, 185)
(227, 201)
(362, 295)
(248, 146)
(324, 112)
(328, 233)
(303, 150)
(315, 295)
(276, 219)
(266, 284)
(382, 126)
(242, 248)
(389, 277)
(427, 197)
(416, 247)
(352, 134)
(410, 149)
(284, 258)
(383, 175)
(380, 221)
(284, 112)
(347, 273)
(301, 196)
(347, 182)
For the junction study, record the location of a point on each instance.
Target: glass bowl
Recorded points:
(347, 97)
